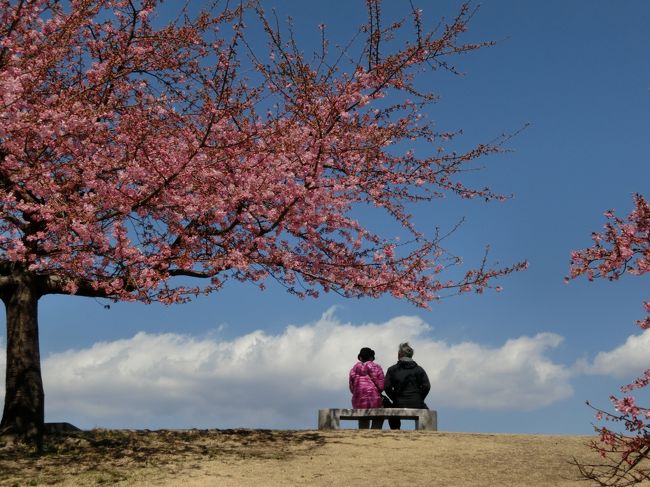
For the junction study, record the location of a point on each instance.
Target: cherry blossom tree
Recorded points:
(623, 248)
(135, 151)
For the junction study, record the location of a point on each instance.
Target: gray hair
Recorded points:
(405, 350)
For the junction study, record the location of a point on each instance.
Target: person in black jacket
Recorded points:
(406, 383)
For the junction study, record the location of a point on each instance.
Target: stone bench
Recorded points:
(425, 419)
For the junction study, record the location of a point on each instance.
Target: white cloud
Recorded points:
(629, 359)
(280, 381)
(516, 376)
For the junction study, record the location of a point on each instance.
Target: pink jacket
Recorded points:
(366, 384)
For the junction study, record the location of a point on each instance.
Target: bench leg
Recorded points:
(329, 419)
(427, 421)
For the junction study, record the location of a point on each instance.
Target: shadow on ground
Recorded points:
(114, 454)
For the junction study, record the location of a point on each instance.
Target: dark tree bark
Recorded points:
(23, 414)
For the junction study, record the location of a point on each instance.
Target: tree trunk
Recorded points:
(23, 413)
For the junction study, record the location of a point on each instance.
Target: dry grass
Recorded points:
(279, 458)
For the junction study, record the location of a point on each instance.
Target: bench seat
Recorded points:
(425, 419)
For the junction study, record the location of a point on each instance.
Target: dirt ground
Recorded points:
(287, 458)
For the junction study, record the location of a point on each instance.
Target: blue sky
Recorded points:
(523, 360)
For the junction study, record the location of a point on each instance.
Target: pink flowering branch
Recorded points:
(623, 248)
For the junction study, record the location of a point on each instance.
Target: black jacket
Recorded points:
(407, 384)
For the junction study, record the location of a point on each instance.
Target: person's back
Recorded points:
(406, 383)
(366, 384)
(366, 380)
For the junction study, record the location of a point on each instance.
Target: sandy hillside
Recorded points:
(286, 458)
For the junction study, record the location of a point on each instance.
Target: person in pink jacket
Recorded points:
(366, 385)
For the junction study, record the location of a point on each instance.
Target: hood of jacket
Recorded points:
(407, 363)
(363, 368)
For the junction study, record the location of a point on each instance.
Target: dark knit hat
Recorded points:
(366, 354)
